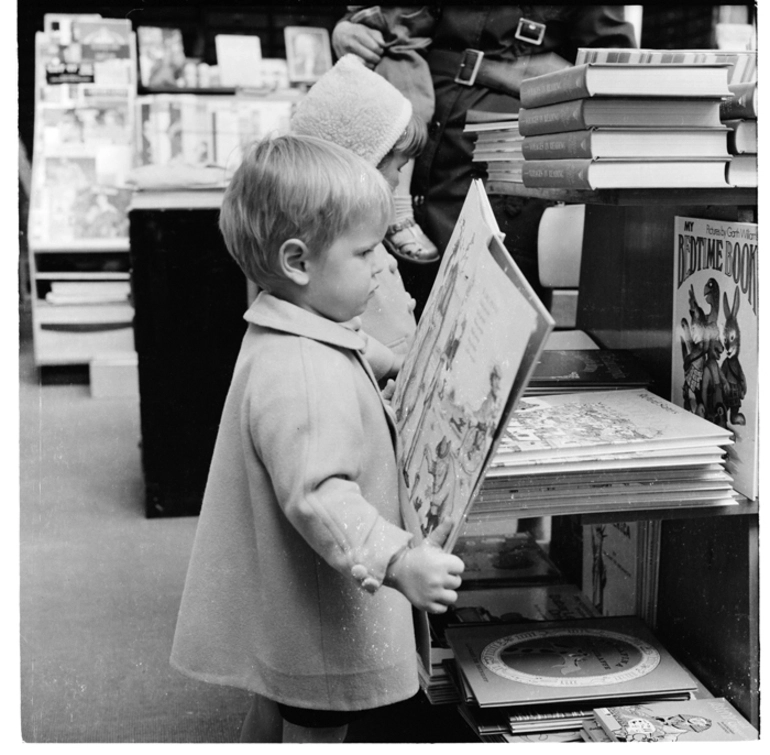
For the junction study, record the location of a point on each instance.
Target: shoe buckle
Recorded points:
(469, 67)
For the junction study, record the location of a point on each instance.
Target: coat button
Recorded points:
(359, 572)
(370, 584)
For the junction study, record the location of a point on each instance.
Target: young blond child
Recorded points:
(305, 568)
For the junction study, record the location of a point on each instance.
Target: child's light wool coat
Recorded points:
(304, 456)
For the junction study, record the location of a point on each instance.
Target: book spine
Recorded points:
(551, 119)
(556, 174)
(557, 86)
(555, 146)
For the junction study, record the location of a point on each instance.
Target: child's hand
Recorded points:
(426, 575)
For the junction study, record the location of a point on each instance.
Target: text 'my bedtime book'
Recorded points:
(476, 346)
(714, 365)
(556, 662)
(708, 720)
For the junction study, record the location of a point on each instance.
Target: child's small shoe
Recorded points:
(407, 240)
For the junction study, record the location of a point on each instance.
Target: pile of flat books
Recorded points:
(507, 578)
(604, 451)
(701, 720)
(625, 126)
(547, 678)
(497, 144)
(739, 114)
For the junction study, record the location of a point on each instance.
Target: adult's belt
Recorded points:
(472, 67)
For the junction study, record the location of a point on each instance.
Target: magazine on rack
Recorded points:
(476, 346)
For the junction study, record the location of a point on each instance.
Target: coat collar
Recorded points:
(269, 311)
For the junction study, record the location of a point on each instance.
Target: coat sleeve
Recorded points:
(308, 428)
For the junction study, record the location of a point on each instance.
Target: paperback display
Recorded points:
(624, 80)
(715, 364)
(477, 343)
(707, 720)
(565, 661)
(85, 82)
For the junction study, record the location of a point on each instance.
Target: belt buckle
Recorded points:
(532, 32)
(473, 65)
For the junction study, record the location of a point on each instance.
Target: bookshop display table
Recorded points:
(189, 297)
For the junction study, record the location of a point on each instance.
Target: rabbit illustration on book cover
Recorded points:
(702, 348)
(734, 379)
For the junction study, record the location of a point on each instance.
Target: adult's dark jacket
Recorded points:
(444, 170)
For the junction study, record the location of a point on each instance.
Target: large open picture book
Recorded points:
(477, 344)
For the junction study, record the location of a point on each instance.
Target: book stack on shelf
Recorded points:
(497, 144)
(602, 451)
(701, 720)
(739, 114)
(546, 678)
(507, 578)
(625, 125)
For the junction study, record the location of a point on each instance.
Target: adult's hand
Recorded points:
(360, 40)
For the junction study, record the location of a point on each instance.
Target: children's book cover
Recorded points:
(707, 720)
(591, 422)
(550, 662)
(715, 366)
(477, 343)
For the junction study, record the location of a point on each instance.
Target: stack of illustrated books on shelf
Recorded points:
(711, 719)
(85, 84)
(546, 678)
(507, 578)
(625, 125)
(602, 451)
(739, 114)
(496, 143)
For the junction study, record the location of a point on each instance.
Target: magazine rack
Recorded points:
(708, 597)
(85, 83)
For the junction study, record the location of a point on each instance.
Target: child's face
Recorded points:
(342, 279)
(390, 167)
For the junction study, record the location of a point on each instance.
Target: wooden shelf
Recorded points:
(630, 197)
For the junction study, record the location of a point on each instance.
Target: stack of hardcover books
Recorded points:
(604, 451)
(525, 679)
(701, 720)
(625, 125)
(497, 143)
(739, 114)
(507, 578)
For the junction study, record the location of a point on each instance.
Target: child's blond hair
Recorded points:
(297, 187)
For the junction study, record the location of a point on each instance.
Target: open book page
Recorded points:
(476, 345)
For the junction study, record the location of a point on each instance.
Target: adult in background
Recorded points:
(478, 57)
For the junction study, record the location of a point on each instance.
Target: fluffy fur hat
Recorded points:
(354, 107)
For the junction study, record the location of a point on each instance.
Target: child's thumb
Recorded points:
(439, 535)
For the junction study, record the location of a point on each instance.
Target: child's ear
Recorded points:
(293, 256)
